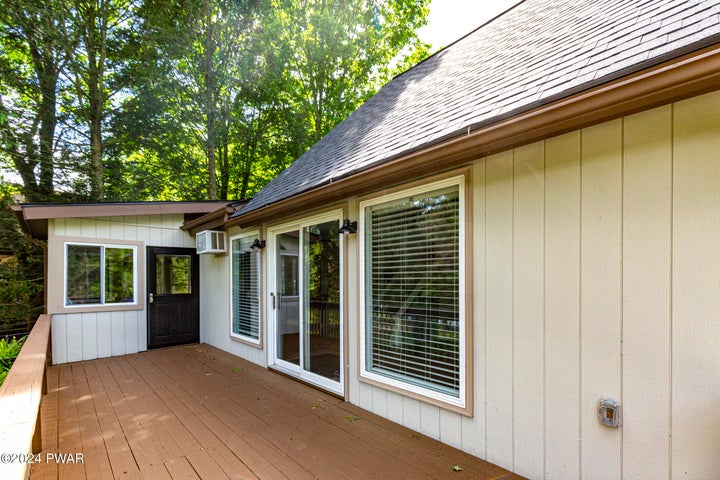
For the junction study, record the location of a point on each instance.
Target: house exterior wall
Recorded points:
(215, 308)
(596, 274)
(94, 334)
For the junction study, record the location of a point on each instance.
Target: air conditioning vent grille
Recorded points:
(210, 241)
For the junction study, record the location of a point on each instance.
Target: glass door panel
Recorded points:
(321, 319)
(172, 274)
(306, 301)
(287, 323)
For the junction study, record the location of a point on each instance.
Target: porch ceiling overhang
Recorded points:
(33, 218)
(213, 220)
(683, 77)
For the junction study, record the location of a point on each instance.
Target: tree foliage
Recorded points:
(184, 99)
(21, 275)
(226, 94)
(132, 100)
(31, 58)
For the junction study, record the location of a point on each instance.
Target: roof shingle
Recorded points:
(533, 54)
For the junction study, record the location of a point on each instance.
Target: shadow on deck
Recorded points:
(199, 412)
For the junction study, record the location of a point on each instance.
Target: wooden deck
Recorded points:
(198, 412)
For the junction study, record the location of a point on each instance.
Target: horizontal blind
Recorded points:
(245, 288)
(412, 290)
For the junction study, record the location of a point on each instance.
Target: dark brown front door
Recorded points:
(173, 296)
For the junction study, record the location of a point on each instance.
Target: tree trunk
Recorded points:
(48, 77)
(224, 171)
(95, 42)
(209, 74)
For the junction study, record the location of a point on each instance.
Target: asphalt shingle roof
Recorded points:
(533, 54)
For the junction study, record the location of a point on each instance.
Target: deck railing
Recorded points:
(20, 398)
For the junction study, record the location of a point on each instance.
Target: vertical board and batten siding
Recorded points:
(89, 335)
(597, 274)
(215, 313)
(498, 361)
(561, 412)
(695, 300)
(647, 273)
(600, 294)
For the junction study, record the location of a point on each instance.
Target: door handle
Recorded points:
(273, 300)
(151, 298)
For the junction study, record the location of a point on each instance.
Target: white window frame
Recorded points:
(102, 302)
(278, 364)
(257, 342)
(438, 397)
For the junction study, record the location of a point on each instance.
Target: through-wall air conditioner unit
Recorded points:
(210, 241)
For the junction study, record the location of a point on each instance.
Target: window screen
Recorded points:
(412, 290)
(245, 288)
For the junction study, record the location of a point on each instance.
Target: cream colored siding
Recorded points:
(498, 362)
(597, 274)
(528, 288)
(561, 341)
(87, 335)
(695, 299)
(215, 315)
(647, 275)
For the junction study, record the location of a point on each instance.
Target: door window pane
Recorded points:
(289, 275)
(288, 309)
(322, 299)
(173, 274)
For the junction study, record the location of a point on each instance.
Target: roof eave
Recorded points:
(112, 209)
(212, 220)
(33, 218)
(683, 77)
(34, 229)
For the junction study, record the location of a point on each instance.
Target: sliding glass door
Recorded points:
(306, 332)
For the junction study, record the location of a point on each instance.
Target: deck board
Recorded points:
(197, 412)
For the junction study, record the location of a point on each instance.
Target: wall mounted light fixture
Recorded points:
(348, 227)
(257, 245)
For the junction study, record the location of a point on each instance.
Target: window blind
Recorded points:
(245, 288)
(412, 290)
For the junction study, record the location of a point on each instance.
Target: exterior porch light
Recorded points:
(348, 227)
(257, 245)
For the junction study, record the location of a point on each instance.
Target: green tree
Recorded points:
(186, 84)
(21, 276)
(31, 59)
(98, 39)
(227, 94)
(341, 53)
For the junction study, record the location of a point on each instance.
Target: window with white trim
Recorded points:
(100, 274)
(245, 289)
(414, 291)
